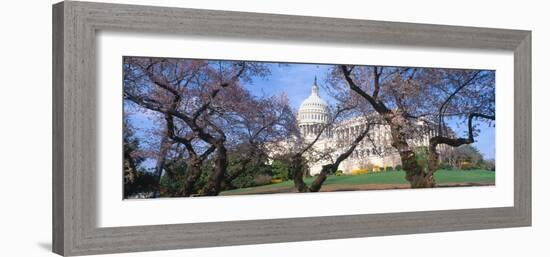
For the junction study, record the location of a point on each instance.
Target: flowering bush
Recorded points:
(359, 171)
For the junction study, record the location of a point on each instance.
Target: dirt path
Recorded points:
(339, 188)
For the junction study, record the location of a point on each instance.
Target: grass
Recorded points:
(392, 179)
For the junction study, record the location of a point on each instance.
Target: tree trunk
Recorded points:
(415, 173)
(296, 169)
(318, 182)
(433, 161)
(161, 159)
(194, 171)
(213, 186)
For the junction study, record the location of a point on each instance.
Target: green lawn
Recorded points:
(393, 179)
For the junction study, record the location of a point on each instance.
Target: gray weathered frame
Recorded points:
(74, 128)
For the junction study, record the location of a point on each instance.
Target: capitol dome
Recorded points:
(313, 110)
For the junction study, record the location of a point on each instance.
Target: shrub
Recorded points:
(143, 184)
(369, 166)
(244, 180)
(171, 181)
(489, 165)
(445, 166)
(260, 180)
(421, 153)
(339, 173)
(359, 171)
(398, 167)
(389, 168)
(276, 180)
(466, 165)
(279, 169)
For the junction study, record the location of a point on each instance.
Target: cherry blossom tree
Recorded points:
(205, 109)
(405, 97)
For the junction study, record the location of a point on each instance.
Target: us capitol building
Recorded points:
(374, 150)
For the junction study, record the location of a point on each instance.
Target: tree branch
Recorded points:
(376, 76)
(216, 91)
(336, 115)
(444, 104)
(437, 140)
(331, 168)
(378, 106)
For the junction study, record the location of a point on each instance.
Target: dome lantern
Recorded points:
(313, 110)
(315, 88)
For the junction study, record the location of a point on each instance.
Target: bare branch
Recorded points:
(444, 104)
(323, 128)
(437, 140)
(378, 106)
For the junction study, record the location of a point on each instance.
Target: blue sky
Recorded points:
(296, 81)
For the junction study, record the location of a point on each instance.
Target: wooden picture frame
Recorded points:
(74, 130)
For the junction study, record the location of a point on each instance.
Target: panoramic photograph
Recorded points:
(196, 127)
